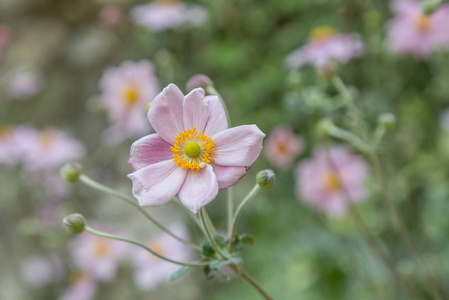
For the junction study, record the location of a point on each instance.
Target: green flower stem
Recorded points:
(369, 238)
(209, 235)
(349, 137)
(104, 189)
(229, 196)
(114, 237)
(230, 207)
(239, 210)
(192, 216)
(374, 159)
(400, 224)
(245, 276)
(344, 91)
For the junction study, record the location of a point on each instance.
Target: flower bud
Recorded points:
(74, 224)
(199, 81)
(386, 120)
(430, 6)
(323, 127)
(71, 172)
(266, 178)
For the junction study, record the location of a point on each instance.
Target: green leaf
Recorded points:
(220, 240)
(208, 251)
(179, 273)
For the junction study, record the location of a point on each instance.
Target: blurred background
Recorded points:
(59, 63)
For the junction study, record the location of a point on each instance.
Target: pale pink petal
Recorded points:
(217, 121)
(196, 112)
(228, 176)
(149, 150)
(200, 188)
(238, 146)
(156, 184)
(166, 113)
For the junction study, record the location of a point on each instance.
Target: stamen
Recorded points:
(192, 151)
(322, 33)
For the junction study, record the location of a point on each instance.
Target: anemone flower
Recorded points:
(193, 152)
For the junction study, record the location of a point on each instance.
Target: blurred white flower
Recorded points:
(163, 15)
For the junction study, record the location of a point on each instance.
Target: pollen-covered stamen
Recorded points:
(322, 33)
(130, 95)
(192, 151)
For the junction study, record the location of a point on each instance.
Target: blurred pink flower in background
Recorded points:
(81, 288)
(111, 15)
(282, 147)
(9, 154)
(126, 92)
(326, 46)
(162, 15)
(151, 270)
(412, 32)
(97, 257)
(23, 83)
(46, 150)
(331, 180)
(5, 36)
(38, 271)
(193, 152)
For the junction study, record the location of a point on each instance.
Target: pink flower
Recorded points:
(23, 84)
(97, 257)
(9, 154)
(193, 152)
(126, 91)
(82, 288)
(46, 150)
(151, 270)
(163, 15)
(111, 15)
(325, 47)
(282, 147)
(331, 180)
(38, 271)
(411, 32)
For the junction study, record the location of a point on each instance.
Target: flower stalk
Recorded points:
(104, 189)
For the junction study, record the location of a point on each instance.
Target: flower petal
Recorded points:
(217, 119)
(196, 112)
(156, 184)
(166, 113)
(228, 176)
(238, 146)
(200, 188)
(149, 150)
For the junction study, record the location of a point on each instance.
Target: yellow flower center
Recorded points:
(192, 151)
(101, 249)
(46, 139)
(332, 182)
(322, 33)
(423, 23)
(130, 95)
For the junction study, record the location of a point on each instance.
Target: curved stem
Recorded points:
(403, 232)
(239, 210)
(230, 209)
(102, 188)
(245, 276)
(114, 237)
(209, 235)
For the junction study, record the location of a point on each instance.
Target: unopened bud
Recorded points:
(71, 172)
(148, 107)
(323, 127)
(74, 224)
(386, 120)
(266, 178)
(430, 6)
(199, 81)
